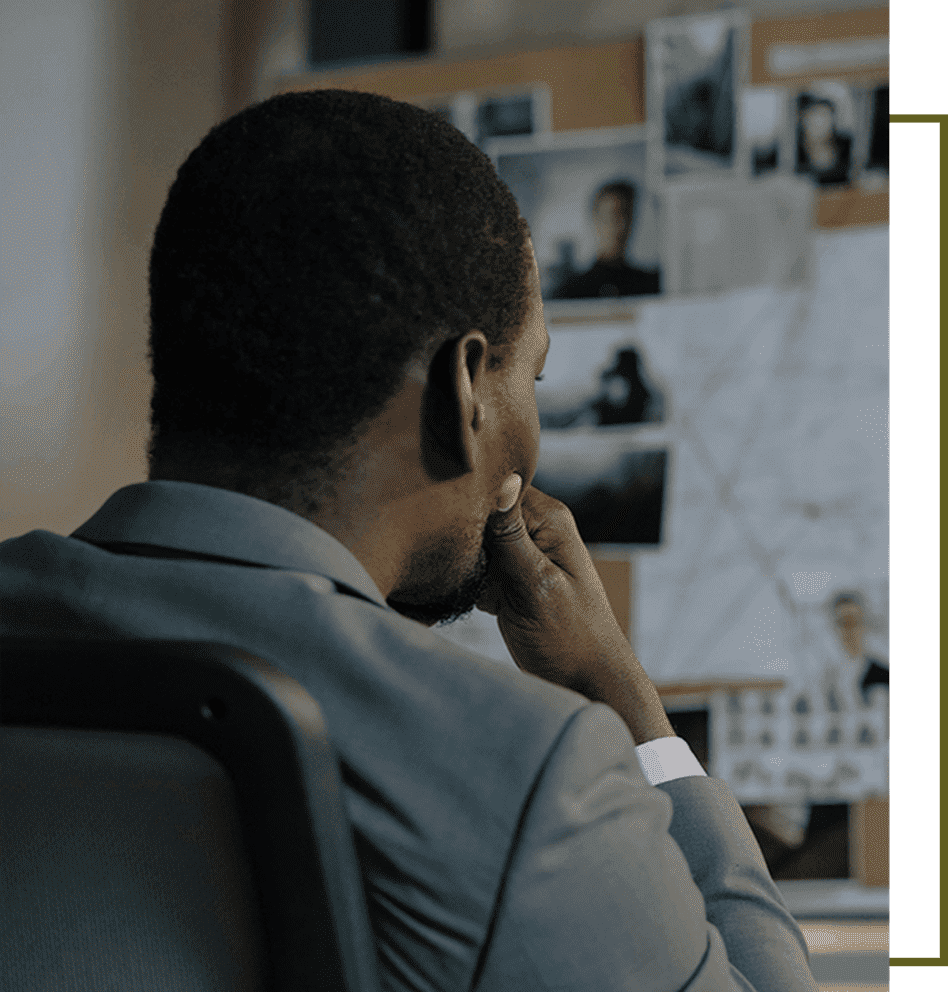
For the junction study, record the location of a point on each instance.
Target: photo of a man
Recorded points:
(594, 218)
(613, 216)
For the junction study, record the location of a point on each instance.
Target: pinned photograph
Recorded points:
(878, 157)
(825, 132)
(482, 115)
(594, 382)
(602, 442)
(875, 116)
(614, 488)
(695, 69)
(765, 124)
(721, 236)
(594, 221)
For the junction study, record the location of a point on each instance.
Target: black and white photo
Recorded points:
(482, 115)
(593, 381)
(826, 133)
(695, 69)
(614, 486)
(594, 220)
(765, 124)
(603, 447)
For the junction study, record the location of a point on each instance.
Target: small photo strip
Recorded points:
(874, 173)
(767, 130)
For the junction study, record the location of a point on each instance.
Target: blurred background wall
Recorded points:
(100, 100)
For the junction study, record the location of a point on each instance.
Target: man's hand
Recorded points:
(554, 616)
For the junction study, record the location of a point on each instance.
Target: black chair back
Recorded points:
(172, 818)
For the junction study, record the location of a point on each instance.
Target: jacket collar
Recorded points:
(189, 517)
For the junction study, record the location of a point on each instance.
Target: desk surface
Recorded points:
(838, 899)
(848, 955)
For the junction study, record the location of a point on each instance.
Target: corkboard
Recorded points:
(604, 85)
(614, 74)
(813, 29)
(600, 85)
(869, 841)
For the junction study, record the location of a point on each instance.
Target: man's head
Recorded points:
(346, 321)
(613, 213)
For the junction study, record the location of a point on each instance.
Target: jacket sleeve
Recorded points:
(616, 884)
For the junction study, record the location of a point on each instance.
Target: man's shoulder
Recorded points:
(436, 726)
(36, 557)
(487, 691)
(440, 749)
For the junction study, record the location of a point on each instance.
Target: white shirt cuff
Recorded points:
(667, 758)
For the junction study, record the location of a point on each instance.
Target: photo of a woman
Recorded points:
(824, 144)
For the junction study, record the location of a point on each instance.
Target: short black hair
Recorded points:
(622, 189)
(310, 248)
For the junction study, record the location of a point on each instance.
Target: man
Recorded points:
(345, 329)
(849, 620)
(611, 275)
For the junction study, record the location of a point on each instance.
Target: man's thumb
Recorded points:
(511, 545)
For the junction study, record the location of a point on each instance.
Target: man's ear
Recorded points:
(451, 407)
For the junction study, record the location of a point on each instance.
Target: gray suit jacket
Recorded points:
(508, 836)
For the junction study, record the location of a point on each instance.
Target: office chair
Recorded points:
(171, 817)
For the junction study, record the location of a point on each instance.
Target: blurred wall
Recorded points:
(100, 101)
